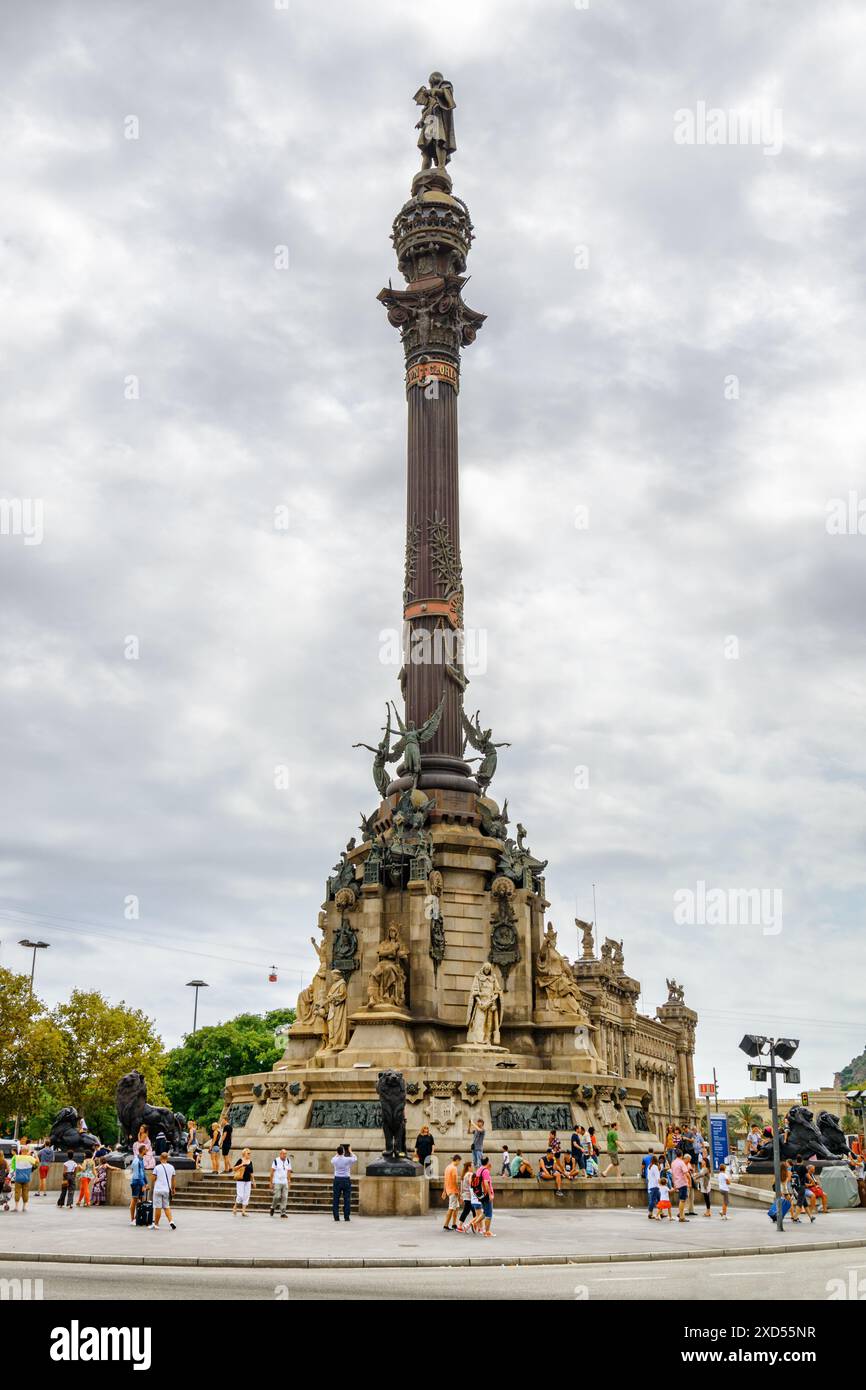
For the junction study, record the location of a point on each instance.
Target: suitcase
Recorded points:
(144, 1213)
(786, 1207)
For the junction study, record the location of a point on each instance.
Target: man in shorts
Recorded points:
(163, 1188)
(451, 1193)
(680, 1179)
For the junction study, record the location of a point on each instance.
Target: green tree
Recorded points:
(30, 1048)
(850, 1124)
(742, 1119)
(195, 1073)
(101, 1042)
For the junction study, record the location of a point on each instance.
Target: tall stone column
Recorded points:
(432, 235)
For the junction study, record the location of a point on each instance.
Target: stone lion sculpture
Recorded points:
(66, 1135)
(833, 1134)
(133, 1111)
(391, 1090)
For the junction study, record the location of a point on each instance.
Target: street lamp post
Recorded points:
(196, 985)
(754, 1045)
(33, 946)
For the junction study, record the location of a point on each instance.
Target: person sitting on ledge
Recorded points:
(519, 1167)
(549, 1170)
(570, 1167)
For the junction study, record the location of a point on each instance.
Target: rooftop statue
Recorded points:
(436, 126)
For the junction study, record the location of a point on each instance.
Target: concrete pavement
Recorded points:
(103, 1234)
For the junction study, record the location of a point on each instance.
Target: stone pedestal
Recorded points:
(381, 1037)
(387, 1167)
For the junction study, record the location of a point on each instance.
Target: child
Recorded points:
(664, 1202)
(86, 1174)
(477, 1222)
(505, 1171)
(591, 1167)
(724, 1188)
(466, 1196)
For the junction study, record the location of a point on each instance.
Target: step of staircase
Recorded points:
(307, 1193)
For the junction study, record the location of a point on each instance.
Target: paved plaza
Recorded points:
(535, 1236)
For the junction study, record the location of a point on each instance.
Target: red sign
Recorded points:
(706, 1088)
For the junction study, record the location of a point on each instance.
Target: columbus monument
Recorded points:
(436, 956)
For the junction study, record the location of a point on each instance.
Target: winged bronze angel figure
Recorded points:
(482, 740)
(409, 747)
(382, 756)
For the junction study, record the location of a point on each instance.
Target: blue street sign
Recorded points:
(719, 1143)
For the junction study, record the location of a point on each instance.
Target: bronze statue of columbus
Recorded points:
(436, 139)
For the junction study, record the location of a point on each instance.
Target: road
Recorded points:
(803, 1276)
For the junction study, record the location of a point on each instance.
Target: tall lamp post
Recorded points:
(33, 946)
(196, 985)
(756, 1045)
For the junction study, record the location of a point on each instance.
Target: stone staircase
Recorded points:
(308, 1192)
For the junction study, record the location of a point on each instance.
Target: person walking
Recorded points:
(424, 1146)
(5, 1182)
(477, 1131)
(86, 1171)
(653, 1189)
(612, 1149)
(138, 1185)
(680, 1178)
(280, 1181)
(664, 1202)
(690, 1169)
(484, 1189)
(724, 1189)
(465, 1194)
(226, 1146)
(163, 1191)
(342, 1164)
(244, 1182)
(46, 1158)
(505, 1169)
(67, 1182)
(705, 1183)
(22, 1166)
(451, 1193)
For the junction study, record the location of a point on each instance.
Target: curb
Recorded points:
(424, 1261)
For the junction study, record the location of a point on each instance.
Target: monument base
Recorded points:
(387, 1167)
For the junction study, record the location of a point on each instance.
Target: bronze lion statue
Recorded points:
(391, 1090)
(66, 1135)
(133, 1111)
(804, 1137)
(833, 1134)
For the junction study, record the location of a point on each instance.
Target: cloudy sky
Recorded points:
(664, 402)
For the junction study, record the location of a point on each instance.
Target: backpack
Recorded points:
(476, 1182)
